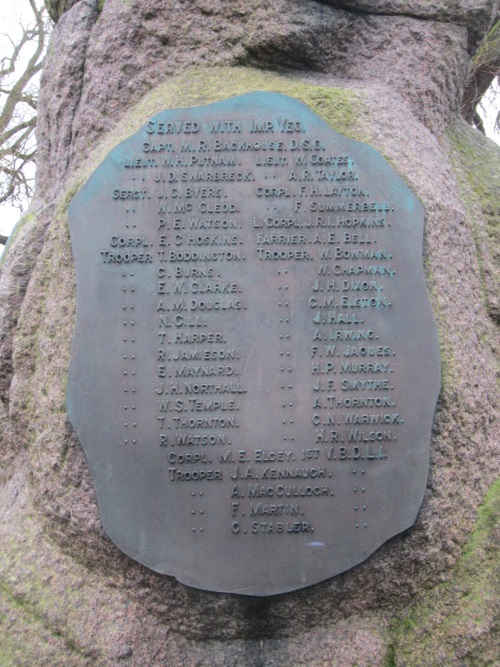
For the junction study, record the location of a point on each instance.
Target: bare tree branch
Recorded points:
(4, 138)
(19, 72)
(485, 67)
(31, 69)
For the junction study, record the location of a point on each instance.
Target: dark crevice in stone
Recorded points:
(91, 18)
(374, 12)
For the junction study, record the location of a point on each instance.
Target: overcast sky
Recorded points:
(12, 12)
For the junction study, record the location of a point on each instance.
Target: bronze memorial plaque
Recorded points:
(255, 364)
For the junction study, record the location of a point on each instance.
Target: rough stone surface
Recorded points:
(480, 184)
(84, 94)
(476, 15)
(429, 596)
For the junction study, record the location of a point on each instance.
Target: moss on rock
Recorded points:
(339, 107)
(56, 8)
(476, 161)
(27, 218)
(455, 622)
